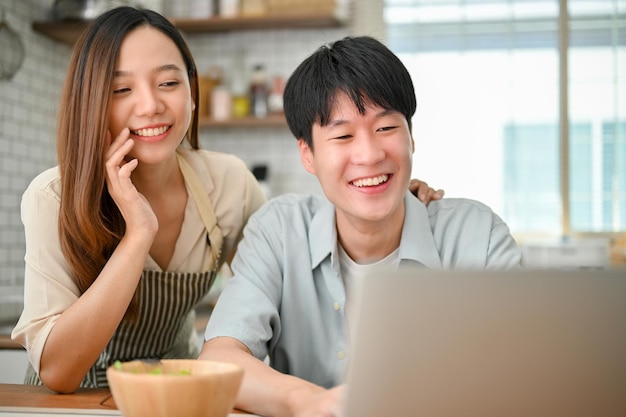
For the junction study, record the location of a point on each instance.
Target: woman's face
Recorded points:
(151, 95)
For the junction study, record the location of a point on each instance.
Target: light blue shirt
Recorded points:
(287, 297)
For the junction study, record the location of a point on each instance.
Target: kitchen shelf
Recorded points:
(68, 31)
(266, 22)
(246, 122)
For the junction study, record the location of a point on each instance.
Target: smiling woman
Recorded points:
(125, 236)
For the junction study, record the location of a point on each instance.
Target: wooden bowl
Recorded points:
(175, 388)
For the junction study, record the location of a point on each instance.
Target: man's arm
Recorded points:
(267, 392)
(503, 251)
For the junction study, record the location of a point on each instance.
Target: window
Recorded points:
(495, 121)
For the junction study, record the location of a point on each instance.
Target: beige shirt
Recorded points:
(49, 289)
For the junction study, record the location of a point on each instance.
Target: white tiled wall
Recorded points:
(29, 101)
(28, 105)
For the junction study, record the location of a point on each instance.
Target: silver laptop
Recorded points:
(526, 343)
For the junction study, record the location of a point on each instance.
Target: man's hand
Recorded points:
(323, 403)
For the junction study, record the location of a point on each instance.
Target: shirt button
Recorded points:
(341, 355)
(336, 306)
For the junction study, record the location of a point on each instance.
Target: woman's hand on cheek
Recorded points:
(134, 207)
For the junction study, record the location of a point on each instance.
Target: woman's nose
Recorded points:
(148, 102)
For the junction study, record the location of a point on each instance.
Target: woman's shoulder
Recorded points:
(46, 182)
(213, 160)
(42, 197)
(226, 178)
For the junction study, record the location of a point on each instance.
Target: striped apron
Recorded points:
(164, 328)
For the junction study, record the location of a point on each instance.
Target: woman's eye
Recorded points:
(121, 90)
(170, 83)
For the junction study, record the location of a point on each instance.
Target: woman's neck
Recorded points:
(152, 179)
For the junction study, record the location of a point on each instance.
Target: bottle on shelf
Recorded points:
(275, 99)
(201, 9)
(228, 8)
(221, 102)
(239, 87)
(253, 8)
(258, 92)
(207, 82)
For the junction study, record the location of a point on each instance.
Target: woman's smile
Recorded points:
(151, 134)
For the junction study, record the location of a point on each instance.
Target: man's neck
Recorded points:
(367, 242)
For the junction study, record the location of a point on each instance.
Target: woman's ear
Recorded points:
(306, 156)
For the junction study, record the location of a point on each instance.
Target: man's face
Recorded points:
(363, 162)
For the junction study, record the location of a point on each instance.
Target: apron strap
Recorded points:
(205, 208)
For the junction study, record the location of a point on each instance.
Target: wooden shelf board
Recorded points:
(65, 31)
(69, 30)
(287, 21)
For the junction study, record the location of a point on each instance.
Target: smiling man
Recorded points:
(350, 106)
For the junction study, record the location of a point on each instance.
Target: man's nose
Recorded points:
(369, 149)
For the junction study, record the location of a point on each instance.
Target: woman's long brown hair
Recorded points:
(90, 224)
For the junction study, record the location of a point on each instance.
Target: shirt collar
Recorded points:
(323, 233)
(417, 243)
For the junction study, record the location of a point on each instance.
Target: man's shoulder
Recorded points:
(457, 205)
(287, 213)
(461, 213)
(293, 204)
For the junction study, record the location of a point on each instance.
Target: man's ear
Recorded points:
(306, 156)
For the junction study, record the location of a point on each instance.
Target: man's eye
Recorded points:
(387, 128)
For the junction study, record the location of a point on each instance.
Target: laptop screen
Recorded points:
(484, 343)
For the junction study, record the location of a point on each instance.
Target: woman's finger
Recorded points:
(127, 168)
(116, 160)
(117, 142)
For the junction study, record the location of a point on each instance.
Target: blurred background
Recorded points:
(521, 104)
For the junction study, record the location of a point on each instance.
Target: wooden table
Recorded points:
(7, 343)
(31, 400)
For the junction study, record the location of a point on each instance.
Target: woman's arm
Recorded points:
(83, 329)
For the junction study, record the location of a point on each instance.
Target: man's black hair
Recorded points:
(362, 68)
